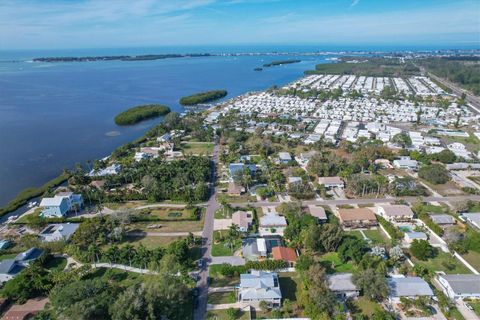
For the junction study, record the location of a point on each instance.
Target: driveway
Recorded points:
(466, 313)
(233, 260)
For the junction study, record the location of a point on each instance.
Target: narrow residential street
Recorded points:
(207, 235)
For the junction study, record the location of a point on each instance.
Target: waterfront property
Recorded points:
(60, 204)
(58, 232)
(460, 285)
(260, 286)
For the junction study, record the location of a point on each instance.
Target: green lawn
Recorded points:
(355, 234)
(473, 258)
(363, 306)
(218, 280)
(332, 263)
(222, 297)
(439, 263)
(476, 306)
(289, 282)
(221, 248)
(377, 236)
(205, 148)
(152, 242)
(4, 256)
(56, 264)
(224, 213)
(222, 314)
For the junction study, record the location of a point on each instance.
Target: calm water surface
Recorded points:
(53, 115)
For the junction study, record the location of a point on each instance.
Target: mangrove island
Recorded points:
(139, 113)
(203, 97)
(280, 62)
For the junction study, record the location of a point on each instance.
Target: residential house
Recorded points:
(284, 158)
(108, 171)
(460, 286)
(331, 182)
(272, 224)
(10, 268)
(397, 213)
(236, 168)
(318, 212)
(294, 180)
(306, 156)
(342, 286)
(242, 219)
(415, 235)
(258, 286)
(235, 189)
(443, 219)
(357, 218)
(405, 163)
(473, 218)
(286, 254)
(408, 287)
(58, 232)
(254, 248)
(60, 204)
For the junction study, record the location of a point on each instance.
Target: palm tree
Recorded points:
(112, 254)
(93, 252)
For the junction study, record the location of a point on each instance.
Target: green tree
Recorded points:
(434, 173)
(402, 139)
(372, 283)
(422, 250)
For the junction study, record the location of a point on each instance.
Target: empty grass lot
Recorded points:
(332, 263)
(222, 314)
(473, 258)
(151, 242)
(204, 148)
(221, 297)
(377, 236)
(218, 280)
(439, 263)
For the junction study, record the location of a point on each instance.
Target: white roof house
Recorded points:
(259, 286)
(58, 232)
(272, 224)
(395, 212)
(331, 182)
(473, 218)
(442, 219)
(408, 287)
(405, 163)
(460, 285)
(415, 235)
(342, 286)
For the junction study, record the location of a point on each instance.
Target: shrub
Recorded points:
(435, 173)
(140, 113)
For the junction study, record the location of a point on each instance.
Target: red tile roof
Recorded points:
(284, 253)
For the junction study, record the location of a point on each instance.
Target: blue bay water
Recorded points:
(53, 115)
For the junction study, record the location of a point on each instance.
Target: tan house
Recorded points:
(357, 218)
(331, 182)
(242, 219)
(318, 212)
(235, 190)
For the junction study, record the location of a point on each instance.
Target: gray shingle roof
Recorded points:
(341, 282)
(409, 287)
(463, 283)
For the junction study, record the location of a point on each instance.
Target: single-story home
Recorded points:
(272, 224)
(258, 286)
(415, 235)
(25, 311)
(357, 218)
(318, 212)
(294, 180)
(405, 163)
(286, 254)
(460, 285)
(408, 287)
(235, 189)
(284, 157)
(236, 168)
(331, 182)
(306, 156)
(473, 218)
(443, 219)
(10, 268)
(243, 220)
(58, 232)
(342, 286)
(254, 248)
(398, 213)
(108, 171)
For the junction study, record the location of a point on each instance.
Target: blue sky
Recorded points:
(40, 24)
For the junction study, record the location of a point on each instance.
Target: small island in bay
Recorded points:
(280, 62)
(258, 69)
(139, 113)
(146, 57)
(203, 97)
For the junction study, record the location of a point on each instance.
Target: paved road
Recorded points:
(212, 206)
(472, 99)
(364, 201)
(466, 313)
